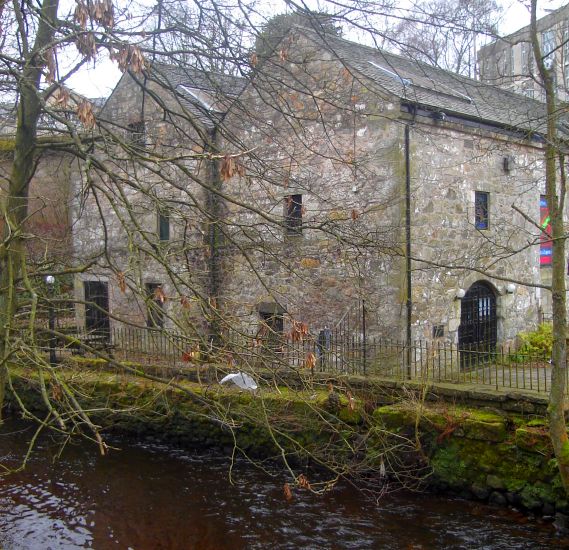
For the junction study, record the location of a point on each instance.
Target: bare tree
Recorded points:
(243, 221)
(556, 191)
(446, 33)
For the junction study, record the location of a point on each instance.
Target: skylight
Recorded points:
(395, 76)
(198, 98)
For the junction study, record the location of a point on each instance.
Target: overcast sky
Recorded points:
(99, 82)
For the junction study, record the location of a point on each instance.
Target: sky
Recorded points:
(99, 80)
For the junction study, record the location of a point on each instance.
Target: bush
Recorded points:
(537, 342)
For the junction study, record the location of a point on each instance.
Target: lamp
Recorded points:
(460, 293)
(510, 288)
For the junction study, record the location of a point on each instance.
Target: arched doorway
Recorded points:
(478, 330)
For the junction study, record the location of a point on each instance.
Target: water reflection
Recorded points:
(154, 497)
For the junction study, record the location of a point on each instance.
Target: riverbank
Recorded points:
(375, 431)
(150, 496)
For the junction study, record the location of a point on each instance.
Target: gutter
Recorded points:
(471, 122)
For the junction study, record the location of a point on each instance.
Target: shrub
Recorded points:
(537, 342)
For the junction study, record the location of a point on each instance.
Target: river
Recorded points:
(150, 496)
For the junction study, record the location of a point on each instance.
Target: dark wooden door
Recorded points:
(97, 307)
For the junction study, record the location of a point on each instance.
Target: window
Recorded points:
(527, 59)
(155, 299)
(271, 329)
(164, 225)
(135, 133)
(545, 243)
(438, 331)
(293, 214)
(274, 321)
(511, 63)
(548, 47)
(481, 212)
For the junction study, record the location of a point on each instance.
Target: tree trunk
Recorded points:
(15, 204)
(555, 192)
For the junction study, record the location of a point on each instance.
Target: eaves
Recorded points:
(413, 110)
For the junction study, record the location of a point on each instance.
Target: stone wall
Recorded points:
(119, 201)
(449, 163)
(309, 127)
(316, 130)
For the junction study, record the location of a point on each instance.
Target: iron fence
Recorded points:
(330, 351)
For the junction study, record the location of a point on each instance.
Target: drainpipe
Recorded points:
(214, 237)
(409, 304)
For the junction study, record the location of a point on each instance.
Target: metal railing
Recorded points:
(329, 351)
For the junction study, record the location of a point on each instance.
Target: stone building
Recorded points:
(509, 61)
(335, 173)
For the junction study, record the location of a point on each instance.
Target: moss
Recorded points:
(7, 145)
(450, 468)
(485, 431)
(393, 417)
(534, 440)
(564, 454)
(484, 416)
(490, 455)
(350, 415)
(537, 423)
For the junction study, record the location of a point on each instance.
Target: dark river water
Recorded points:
(148, 496)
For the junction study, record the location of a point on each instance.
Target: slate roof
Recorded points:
(436, 89)
(206, 95)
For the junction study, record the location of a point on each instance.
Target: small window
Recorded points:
(548, 47)
(274, 321)
(155, 299)
(481, 212)
(135, 133)
(293, 214)
(438, 331)
(164, 225)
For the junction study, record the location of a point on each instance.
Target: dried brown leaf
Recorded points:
(50, 65)
(160, 295)
(310, 362)
(121, 280)
(81, 14)
(85, 113)
(287, 492)
(303, 482)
